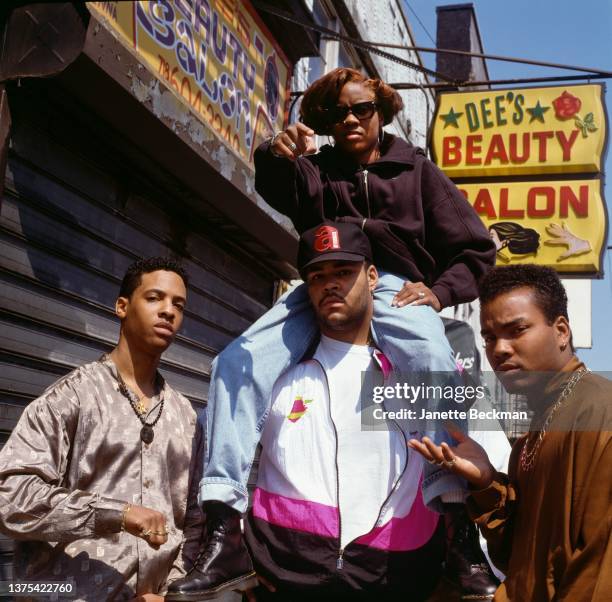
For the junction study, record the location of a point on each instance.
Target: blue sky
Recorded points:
(557, 31)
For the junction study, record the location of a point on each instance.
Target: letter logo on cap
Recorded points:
(326, 237)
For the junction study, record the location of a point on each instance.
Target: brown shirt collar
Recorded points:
(556, 384)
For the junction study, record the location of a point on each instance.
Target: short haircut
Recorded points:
(133, 276)
(323, 94)
(548, 291)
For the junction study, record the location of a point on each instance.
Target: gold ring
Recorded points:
(145, 533)
(450, 463)
(162, 533)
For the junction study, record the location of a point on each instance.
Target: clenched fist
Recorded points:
(147, 524)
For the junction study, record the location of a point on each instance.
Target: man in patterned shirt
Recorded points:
(94, 477)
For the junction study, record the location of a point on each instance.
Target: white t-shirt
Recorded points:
(369, 462)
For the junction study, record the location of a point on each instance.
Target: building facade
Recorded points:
(127, 130)
(370, 22)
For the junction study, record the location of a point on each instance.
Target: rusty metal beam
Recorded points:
(499, 82)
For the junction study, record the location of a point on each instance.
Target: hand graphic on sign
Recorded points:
(563, 236)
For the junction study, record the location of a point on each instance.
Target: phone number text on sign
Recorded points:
(218, 58)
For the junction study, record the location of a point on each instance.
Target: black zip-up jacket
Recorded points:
(419, 224)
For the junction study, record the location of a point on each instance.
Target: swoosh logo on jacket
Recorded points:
(299, 408)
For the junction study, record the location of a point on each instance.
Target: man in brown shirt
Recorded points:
(548, 522)
(94, 478)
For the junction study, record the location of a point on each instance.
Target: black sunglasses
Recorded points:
(361, 110)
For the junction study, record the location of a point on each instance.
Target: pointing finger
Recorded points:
(304, 130)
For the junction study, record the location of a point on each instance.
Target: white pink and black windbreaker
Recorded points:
(294, 527)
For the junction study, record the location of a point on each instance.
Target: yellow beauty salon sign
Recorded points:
(520, 131)
(216, 56)
(561, 224)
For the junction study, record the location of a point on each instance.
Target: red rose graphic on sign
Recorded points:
(566, 105)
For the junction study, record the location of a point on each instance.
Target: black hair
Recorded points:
(133, 276)
(518, 240)
(548, 290)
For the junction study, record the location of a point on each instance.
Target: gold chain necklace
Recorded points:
(528, 456)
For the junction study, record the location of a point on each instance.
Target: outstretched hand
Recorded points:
(467, 459)
(563, 236)
(296, 140)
